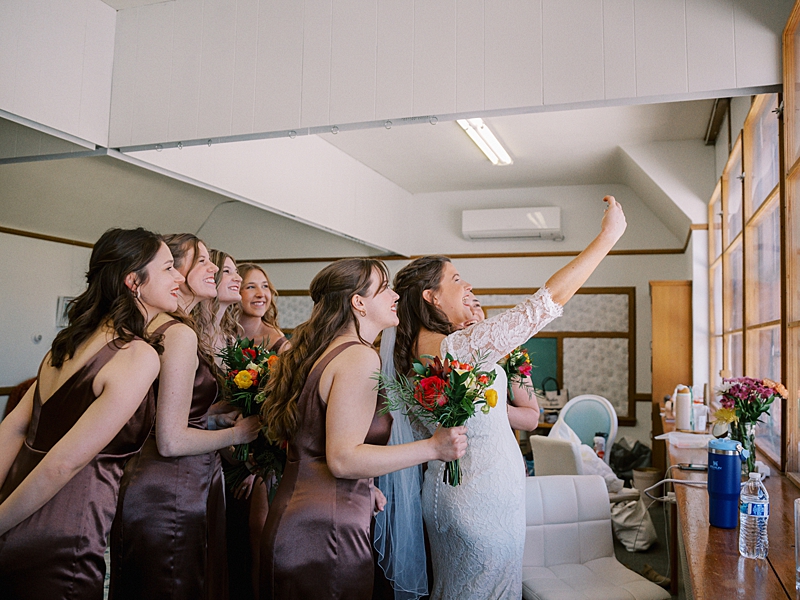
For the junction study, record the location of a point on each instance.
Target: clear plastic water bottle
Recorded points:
(753, 517)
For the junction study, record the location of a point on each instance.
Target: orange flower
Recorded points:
(272, 360)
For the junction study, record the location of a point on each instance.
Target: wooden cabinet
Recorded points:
(671, 347)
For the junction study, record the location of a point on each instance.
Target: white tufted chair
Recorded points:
(569, 552)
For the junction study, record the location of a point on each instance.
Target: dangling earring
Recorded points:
(363, 313)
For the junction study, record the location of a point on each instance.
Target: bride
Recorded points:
(477, 529)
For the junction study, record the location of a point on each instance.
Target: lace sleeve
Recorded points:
(504, 332)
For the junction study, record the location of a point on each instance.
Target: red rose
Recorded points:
(483, 379)
(429, 392)
(249, 353)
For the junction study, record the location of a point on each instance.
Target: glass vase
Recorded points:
(745, 434)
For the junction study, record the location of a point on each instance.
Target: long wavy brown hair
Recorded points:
(180, 244)
(332, 290)
(206, 311)
(107, 299)
(413, 311)
(270, 317)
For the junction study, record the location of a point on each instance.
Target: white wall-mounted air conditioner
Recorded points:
(542, 223)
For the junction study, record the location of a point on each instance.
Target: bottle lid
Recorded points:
(723, 446)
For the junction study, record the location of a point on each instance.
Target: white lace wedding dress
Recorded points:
(477, 529)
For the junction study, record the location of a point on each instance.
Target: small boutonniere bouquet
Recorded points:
(247, 367)
(518, 367)
(444, 392)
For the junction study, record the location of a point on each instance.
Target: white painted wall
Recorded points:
(189, 69)
(433, 225)
(34, 274)
(56, 58)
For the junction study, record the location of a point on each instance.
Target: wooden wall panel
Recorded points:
(218, 53)
(572, 50)
(513, 61)
(619, 49)
(280, 65)
(710, 45)
(394, 78)
(660, 47)
(434, 57)
(315, 108)
(469, 56)
(244, 68)
(352, 74)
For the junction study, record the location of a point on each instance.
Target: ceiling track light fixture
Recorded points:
(483, 137)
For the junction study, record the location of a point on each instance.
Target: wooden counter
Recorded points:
(715, 568)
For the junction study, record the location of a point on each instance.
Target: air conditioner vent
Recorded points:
(543, 223)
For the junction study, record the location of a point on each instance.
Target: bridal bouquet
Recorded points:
(518, 367)
(444, 392)
(247, 369)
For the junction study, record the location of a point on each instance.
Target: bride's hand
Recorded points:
(450, 443)
(613, 224)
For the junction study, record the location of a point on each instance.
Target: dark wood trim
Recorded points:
(718, 111)
(46, 238)
(294, 293)
(5, 391)
(642, 397)
(786, 436)
(319, 259)
(485, 255)
(528, 291)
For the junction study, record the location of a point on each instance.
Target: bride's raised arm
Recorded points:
(497, 336)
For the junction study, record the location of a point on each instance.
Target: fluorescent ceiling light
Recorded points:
(484, 138)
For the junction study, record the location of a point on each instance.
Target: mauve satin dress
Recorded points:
(57, 552)
(168, 540)
(317, 540)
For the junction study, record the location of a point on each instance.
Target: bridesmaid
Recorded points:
(169, 536)
(63, 449)
(246, 506)
(221, 313)
(259, 316)
(523, 408)
(322, 400)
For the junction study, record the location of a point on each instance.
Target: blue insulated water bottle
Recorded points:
(724, 482)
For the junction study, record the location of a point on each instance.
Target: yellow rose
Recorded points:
(491, 398)
(243, 380)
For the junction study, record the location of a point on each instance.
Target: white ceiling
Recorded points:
(573, 147)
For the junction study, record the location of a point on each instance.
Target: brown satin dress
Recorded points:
(168, 540)
(316, 542)
(278, 343)
(57, 552)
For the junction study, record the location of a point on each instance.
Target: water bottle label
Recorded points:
(754, 509)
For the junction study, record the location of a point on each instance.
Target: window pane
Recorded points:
(733, 288)
(716, 365)
(716, 230)
(764, 361)
(762, 144)
(716, 298)
(732, 190)
(793, 248)
(734, 357)
(764, 267)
